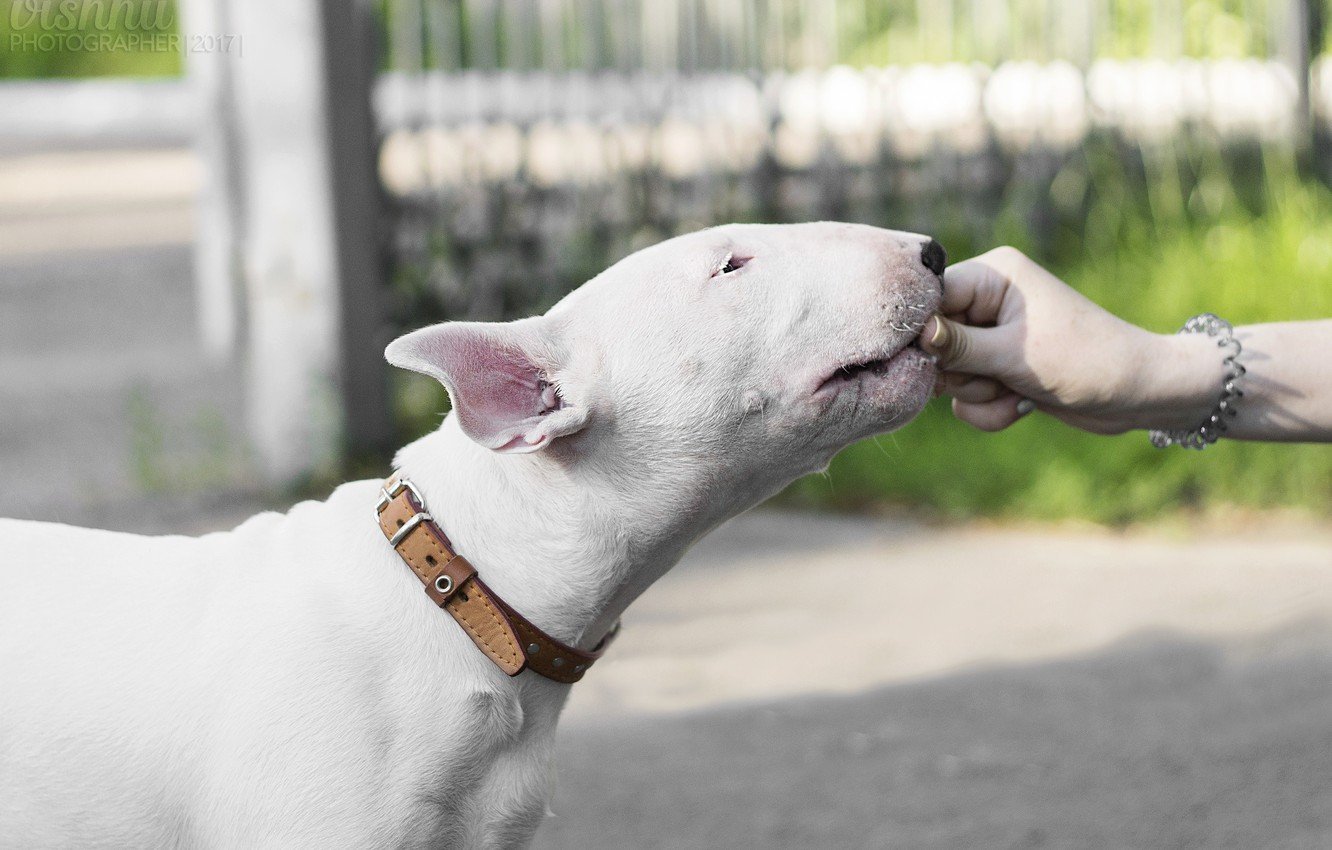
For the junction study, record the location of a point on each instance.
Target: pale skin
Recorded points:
(1012, 332)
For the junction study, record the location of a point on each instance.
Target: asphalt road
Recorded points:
(963, 687)
(110, 414)
(1152, 743)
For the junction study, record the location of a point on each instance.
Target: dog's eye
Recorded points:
(732, 264)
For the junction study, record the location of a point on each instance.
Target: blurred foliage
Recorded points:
(899, 32)
(89, 38)
(1156, 237)
(855, 32)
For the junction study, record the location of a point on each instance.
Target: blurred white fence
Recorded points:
(522, 144)
(510, 187)
(445, 129)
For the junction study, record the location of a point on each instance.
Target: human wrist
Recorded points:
(1179, 378)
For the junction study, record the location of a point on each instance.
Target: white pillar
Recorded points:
(217, 273)
(288, 254)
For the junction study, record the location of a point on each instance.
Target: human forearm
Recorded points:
(1287, 388)
(1011, 337)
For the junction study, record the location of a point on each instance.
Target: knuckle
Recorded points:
(961, 345)
(984, 389)
(1007, 261)
(955, 350)
(1007, 254)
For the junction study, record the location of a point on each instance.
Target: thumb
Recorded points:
(960, 348)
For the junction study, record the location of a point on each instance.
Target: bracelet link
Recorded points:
(1214, 427)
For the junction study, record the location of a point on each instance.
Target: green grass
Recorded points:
(1182, 242)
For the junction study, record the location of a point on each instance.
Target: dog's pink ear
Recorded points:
(495, 375)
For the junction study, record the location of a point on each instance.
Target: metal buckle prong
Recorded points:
(386, 496)
(407, 527)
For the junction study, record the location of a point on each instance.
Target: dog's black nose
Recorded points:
(932, 255)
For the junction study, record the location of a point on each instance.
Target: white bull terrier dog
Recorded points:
(288, 683)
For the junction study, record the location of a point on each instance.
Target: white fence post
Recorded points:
(217, 273)
(304, 204)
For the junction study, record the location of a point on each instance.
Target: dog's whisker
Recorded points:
(907, 327)
(879, 445)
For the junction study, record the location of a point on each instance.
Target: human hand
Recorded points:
(1013, 338)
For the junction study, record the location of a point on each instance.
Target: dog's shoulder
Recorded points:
(55, 543)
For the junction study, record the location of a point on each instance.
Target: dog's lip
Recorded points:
(851, 369)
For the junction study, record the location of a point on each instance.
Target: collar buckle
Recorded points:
(387, 494)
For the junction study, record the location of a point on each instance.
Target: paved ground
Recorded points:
(934, 687)
(1152, 743)
(106, 403)
(962, 687)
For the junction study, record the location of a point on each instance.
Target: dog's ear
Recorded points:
(496, 376)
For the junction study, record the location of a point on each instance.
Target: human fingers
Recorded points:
(968, 388)
(994, 415)
(975, 289)
(960, 348)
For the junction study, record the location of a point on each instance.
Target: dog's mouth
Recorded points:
(875, 367)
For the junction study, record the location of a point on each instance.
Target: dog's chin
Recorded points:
(886, 394)
(904, 386)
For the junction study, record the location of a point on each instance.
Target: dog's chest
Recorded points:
(484, 777)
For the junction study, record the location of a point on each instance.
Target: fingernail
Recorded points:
(927, 332)
(1025, 406)
(933, 335)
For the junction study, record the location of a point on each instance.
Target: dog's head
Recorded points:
(755, 352)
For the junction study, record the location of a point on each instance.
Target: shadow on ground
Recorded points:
(1157, 742)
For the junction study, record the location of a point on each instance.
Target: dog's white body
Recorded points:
(288, 684)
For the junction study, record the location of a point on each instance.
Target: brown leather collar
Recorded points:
(505, 636)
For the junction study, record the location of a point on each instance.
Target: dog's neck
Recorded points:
(568, 553)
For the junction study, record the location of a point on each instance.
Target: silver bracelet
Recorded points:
(1214, 426)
